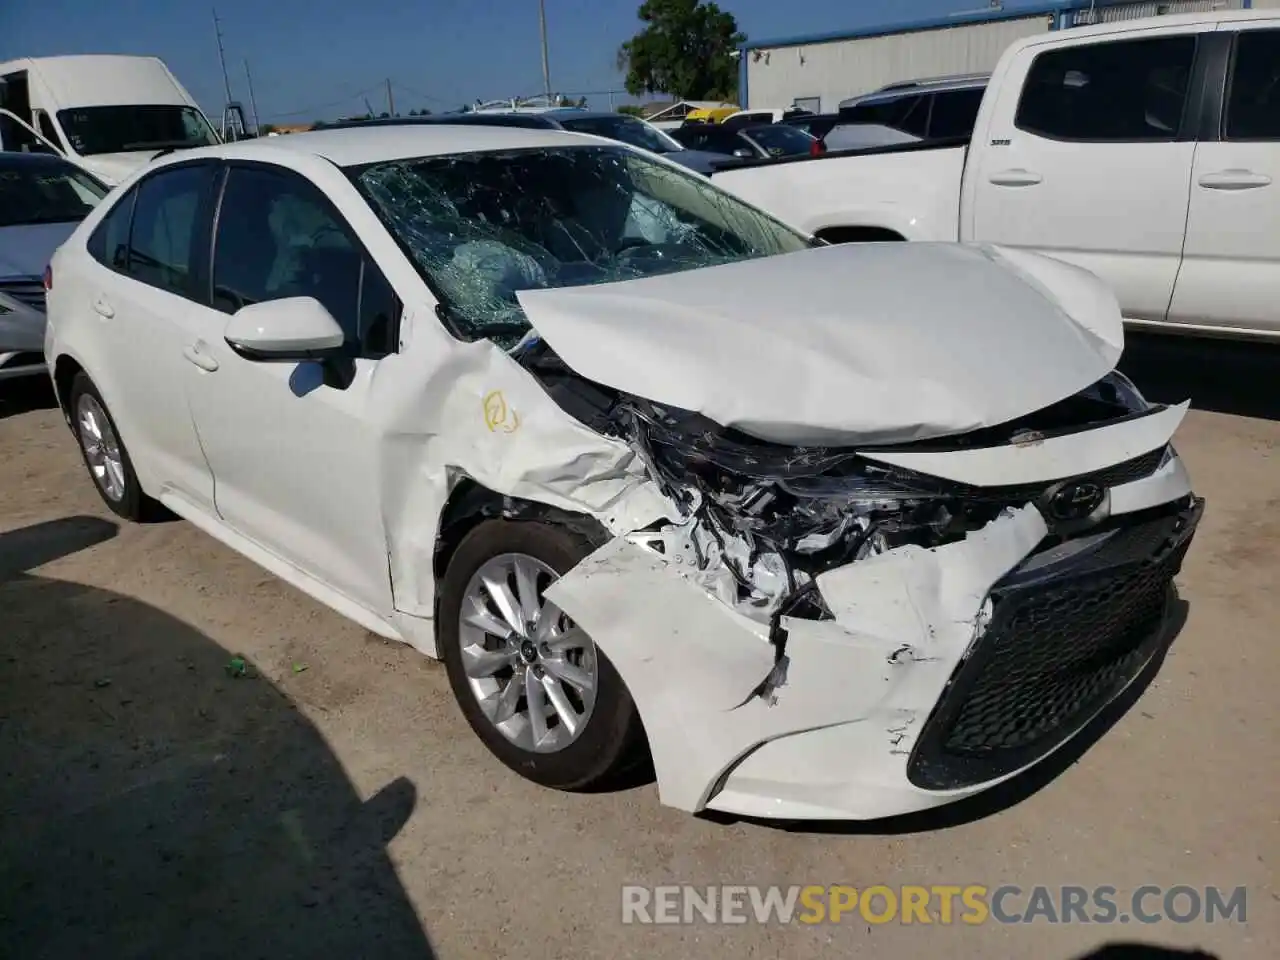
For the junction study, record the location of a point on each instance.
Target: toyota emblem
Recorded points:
(1073, 501)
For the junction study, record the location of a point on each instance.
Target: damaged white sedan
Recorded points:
(830, 531)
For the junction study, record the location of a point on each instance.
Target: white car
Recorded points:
(853, 530)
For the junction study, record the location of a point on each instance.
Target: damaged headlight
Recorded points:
(1116, 388)
(762, 519)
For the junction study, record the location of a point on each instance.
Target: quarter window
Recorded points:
(164, 225)
(1123, 91)
(1253, 106)
(278, 238)
(109, 244)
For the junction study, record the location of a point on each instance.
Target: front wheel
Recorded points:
(531, 683)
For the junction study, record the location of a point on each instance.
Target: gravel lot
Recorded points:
(336, 804)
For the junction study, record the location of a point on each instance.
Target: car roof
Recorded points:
(575, 113)
(353, 146)
(897, 91)
(494, 119)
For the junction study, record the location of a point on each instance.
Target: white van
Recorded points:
(110, 114)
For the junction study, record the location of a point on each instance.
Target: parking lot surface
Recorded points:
(332, 801)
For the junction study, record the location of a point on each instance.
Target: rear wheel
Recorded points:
(531, 683)
(104, 455)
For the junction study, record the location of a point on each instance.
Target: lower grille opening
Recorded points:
(1061, 644)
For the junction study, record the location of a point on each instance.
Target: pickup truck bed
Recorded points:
(822, 195)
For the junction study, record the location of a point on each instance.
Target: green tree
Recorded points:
(631, 109)
(684, 50)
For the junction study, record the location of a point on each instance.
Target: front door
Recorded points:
(293, 454)
(1089, 161)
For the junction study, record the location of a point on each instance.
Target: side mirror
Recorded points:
(743, 153)
(293, 329)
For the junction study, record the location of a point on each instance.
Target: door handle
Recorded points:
(1234, 180)
(102, 307)
(1015, 178)
(196, 354)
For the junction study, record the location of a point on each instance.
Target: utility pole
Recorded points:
(222, 58)
(253, 102)
(546, 62)
(391, 100)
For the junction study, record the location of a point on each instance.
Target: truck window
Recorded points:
(45, 125)
(1253, 105)
(123, 129)
(1126, 90)
(910, 114)
(954, 113)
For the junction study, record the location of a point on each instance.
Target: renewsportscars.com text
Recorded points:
(971, 904)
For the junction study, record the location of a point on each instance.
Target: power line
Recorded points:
(325, 106)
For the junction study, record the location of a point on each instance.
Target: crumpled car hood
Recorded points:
(867, 344)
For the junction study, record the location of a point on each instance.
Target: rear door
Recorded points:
(1088, 159)
(1230, 274)
(135, 305)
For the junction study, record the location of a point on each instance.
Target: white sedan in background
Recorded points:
(854, 531)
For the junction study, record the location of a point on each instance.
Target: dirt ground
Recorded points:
(333, 803)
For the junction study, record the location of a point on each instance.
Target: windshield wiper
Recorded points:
(464, 327)
(156, 145)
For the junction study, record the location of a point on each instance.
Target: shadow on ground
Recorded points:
(1007, 794)
(155, 806)
(23, 394)
(1145, 951)
(1224, 376)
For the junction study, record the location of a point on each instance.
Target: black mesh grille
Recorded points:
(1062, 642)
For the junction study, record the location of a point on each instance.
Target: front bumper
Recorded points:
(942, 673)
(22, 334)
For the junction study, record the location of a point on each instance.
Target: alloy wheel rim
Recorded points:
(532, 671)
(101, 447)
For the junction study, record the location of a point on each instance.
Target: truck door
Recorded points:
(1088, 159)
(1230, 274)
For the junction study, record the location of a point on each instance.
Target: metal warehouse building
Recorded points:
(818, 71)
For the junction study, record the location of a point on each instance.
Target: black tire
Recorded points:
(613, 739)
(133, 504)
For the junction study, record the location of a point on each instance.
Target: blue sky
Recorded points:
(319, 58)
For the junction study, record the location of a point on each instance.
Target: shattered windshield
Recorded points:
(480, 227)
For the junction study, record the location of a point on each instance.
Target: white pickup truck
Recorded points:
(1147, 152)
